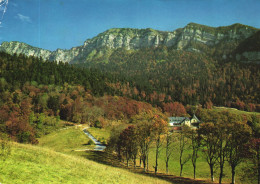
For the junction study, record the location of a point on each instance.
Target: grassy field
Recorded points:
(66, 140)
(102, 135)
(203, 171)
(33, 164)
(235, 111)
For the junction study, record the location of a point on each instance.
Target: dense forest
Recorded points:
(19, 69)
(163, 74)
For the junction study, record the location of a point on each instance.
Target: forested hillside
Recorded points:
(196, 64)
(19, 69)
(163, 74)
(35, 95)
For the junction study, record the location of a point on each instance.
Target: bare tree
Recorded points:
(183, 146)
(159, 128)
(195, 145)
(221, 134)
(169, 149)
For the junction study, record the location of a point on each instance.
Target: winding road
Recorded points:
(99, 145)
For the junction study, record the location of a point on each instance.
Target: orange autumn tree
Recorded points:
(174, 109)
(145, 136)
(128, 144)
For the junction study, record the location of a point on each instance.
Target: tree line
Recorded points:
(227, 141)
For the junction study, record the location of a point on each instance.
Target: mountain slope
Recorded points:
(193, 37)
(194, 64)
(249, 49)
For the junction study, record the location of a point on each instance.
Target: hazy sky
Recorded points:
(52, 24)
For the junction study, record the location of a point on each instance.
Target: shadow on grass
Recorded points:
(112, 160)
(87, 144)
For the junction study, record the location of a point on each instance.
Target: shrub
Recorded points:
(98, 124)
(90, 142)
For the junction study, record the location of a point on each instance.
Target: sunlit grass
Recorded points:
(202, 170)
(71, 139)
(234, 111)
(66, 140)
(33, 164)
(101, 135)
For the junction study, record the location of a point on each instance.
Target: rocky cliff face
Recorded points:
(136, 39)
(22, 48)
(132, 39)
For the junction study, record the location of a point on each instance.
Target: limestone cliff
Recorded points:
(132, 39)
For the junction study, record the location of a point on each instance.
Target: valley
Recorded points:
(123, 86)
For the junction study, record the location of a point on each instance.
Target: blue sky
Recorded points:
(52, 24)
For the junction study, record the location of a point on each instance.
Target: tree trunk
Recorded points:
(144, 163)
(147, 163)
(156, 160)
(181, 169)
(212, 172)
(221, 174)
(194, 171)
(119, 155)
(140, 162)
(258, 163)
(135, 162)
(167, 171)
(233, 174)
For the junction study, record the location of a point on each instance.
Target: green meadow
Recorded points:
(36, 164)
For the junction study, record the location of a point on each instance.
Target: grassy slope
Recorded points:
(100, 134)
(235, 111)
(66, 140)
(33, 164)
(174, 168)
(203, 171)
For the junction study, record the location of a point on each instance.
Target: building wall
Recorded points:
(193, 121)
(187, 123)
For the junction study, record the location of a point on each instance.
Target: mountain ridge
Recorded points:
(134, 39)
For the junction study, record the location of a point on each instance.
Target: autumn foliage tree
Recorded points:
(144, 140)
(238, 137)
(159, 129)
(208, 132)
(128, 143)
(174, 109)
